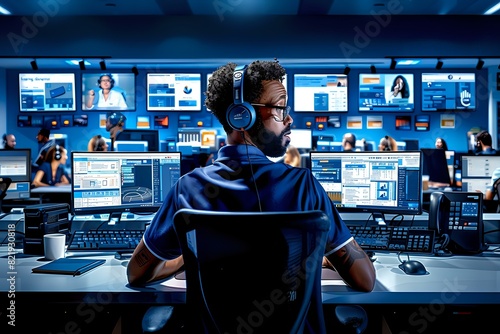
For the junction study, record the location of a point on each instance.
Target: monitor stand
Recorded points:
(114, 218)
(379, 218)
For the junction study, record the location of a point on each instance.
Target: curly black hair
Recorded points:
(219, 95)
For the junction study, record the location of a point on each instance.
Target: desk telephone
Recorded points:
(458, 217)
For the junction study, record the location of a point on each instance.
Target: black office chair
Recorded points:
(496, 190)
(4, 185)
(256, 272)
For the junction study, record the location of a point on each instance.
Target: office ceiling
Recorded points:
(245, 7)
(250, 7)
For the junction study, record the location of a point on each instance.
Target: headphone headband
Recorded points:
(240, 114)
(238, 81)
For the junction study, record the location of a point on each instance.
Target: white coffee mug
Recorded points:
(53, 245)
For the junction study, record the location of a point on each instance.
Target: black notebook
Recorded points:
(68, 266)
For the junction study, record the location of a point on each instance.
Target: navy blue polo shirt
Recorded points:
(228, 185)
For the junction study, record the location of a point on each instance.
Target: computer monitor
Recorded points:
(130, 146)
(301, 139)
(151, 136)
(479, 165)
(477, 171)
(378, 182)
(116, 182)
(16, 165)
(435, 165)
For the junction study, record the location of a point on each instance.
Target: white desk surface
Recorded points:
(450, 280)
(65, 189)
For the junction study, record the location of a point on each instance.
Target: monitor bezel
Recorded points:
(450, 75)
(116, 209)
(152, 146)
(389, 109)
(197, 90)
(72, 80)
(378, 211)
(24, 152)
(339, 77)
(90, 78)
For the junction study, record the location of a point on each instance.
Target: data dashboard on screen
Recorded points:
(320, 93)
(174, 91)
(448, 91)
(46, 92)
(386, 92)
(109, 182)
(377, 182)
(121, 88)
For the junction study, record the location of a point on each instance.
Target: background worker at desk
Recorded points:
(52, 172)
(244, 179)
(484, 144)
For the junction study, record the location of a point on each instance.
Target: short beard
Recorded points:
(270, 144)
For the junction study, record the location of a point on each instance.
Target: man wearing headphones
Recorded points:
(251, 104)
(52, 172)
(106, 97)
(114, 125)
(9, 141)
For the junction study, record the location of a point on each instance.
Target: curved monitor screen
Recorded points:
(448, 91)
(377, 182)
(320, 93)
(386, 92)
(46, 92)
(110, 182)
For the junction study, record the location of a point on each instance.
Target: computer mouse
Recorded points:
(413, 267)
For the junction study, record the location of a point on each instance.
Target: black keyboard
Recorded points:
(393, 238)
(105, 240)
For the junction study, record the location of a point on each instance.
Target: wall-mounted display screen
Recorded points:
(448, 91)
(174, 91)
(320, 93)
(108, 91)
(386, 92)
(46, 92)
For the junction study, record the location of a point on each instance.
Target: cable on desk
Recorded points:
(368, 219)
(397, 221)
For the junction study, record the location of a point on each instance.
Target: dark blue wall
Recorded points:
(245, 39)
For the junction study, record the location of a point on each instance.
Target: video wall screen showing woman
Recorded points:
(108, 91)
(386, 92)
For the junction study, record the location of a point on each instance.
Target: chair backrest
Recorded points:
(4, 185)
(257, 272)
(496, 192)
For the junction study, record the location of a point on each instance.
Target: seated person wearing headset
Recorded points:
(52, 172)
(97, 144)
(240, 166)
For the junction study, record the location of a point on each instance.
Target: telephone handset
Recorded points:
(459, 216)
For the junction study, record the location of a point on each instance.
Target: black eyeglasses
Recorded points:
(284, 110)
